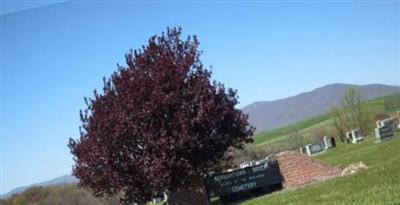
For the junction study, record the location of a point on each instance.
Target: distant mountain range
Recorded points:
(66, 179)
(267, 115)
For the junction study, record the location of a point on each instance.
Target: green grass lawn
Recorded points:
(379, 184)
(276, 134)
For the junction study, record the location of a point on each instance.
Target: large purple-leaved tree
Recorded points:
(158, 121)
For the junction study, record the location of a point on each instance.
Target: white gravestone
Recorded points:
(327, 142)
(312, 149)
(354, 136)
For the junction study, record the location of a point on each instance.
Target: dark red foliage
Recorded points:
(158, 121)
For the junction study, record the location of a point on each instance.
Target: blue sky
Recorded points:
(52, 56)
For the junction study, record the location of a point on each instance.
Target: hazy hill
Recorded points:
(66, 179)
(272, 114)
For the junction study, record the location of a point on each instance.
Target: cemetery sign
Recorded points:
(248, 178)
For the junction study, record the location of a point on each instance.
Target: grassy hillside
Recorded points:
(379, 184)
(267, 136)
(305, 126)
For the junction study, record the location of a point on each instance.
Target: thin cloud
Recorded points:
(8, 6)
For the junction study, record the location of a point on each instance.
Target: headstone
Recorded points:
(384, 133)
(391, 122)
(160, 199)
(315, 148)
(354, 136)
(327, 142)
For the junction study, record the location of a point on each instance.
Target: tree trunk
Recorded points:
(193, 193)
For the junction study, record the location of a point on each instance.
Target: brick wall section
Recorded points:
(299, 169)
(195, 194)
